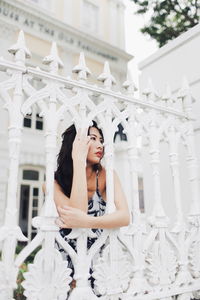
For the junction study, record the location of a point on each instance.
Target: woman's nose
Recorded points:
(100, 145)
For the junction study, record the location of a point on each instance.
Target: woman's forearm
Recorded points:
(75, 218)
(113, 220)
(78, 197)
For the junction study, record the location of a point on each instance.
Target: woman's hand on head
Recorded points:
(70, 217)
(81, 146)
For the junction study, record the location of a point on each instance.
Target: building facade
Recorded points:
(92, 26)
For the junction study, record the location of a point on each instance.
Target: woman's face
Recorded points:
(95, 152)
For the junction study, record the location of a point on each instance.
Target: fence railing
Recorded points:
(145, 261)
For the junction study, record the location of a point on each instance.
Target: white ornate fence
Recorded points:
(145, 262)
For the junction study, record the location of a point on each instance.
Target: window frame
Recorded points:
(33, 118)
(47, 5)
(82, 14)
(40, 197)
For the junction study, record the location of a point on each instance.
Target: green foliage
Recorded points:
(18, 294)
(169, 18)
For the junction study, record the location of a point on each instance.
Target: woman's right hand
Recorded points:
(81, 146)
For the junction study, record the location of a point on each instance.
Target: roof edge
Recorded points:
(170, 46)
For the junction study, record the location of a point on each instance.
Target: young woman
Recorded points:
(80, 183)
(80, 187)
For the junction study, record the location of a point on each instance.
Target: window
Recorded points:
(122, 136)
(25, 191)
(90, 16)
(39, 122)
(46, 4)
(31, 199)
(33, 120)
(28, 121)
(30, 175)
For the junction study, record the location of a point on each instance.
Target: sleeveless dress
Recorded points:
(96, 208)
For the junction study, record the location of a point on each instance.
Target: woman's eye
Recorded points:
(93, 138)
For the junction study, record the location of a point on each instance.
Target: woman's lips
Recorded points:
(99, 154)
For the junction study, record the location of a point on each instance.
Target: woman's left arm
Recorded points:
(74, 218)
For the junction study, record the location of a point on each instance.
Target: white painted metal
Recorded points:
(145, 261)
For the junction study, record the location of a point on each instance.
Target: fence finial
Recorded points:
(167, 96)
(129, 85)
(81, 69)
(53, 59)
(184, 88)
(106, 77)
(20, 49)
(185, 94)
(150, 92)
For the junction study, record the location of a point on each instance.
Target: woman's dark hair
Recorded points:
(64, 172)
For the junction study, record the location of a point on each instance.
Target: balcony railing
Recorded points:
(147, 260)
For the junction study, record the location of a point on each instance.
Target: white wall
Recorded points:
(170, 64)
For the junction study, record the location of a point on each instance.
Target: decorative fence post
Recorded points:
(54, 276)
(136, 229)
(160, 258)
(82, 290)
(193, 241)
(10, 233)
(115, 287)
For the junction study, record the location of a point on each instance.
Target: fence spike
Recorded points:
(81, 69)
(129, 85)
(53, 59)
(20, 45)
(150, 86)
(185, 95)
(184, 88)
(167, 94)
(150, 92)
(106, 77)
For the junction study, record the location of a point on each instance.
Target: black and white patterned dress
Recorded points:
(96, 208)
